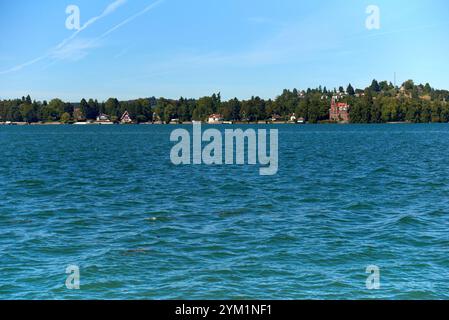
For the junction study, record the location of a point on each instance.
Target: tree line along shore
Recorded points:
(381, 102)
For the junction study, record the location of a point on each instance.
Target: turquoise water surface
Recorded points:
(108, 199)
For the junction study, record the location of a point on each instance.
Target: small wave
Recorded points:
(380, 170)
(135, 251)
(408, 220)
(359, 206)
(232, 212)
(30, 183)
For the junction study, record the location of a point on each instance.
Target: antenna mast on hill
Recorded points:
(395, 79)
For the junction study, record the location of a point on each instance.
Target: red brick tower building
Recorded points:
(339, 111)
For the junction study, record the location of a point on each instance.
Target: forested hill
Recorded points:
(380, 102)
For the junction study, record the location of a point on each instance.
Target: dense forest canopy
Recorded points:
(380, 102)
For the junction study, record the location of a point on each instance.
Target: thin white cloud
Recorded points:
(107, 11)
(64, 48)
(23, 65)
(79, 50)
(131, 18)
(74, 50)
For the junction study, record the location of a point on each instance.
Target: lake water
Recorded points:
(108, 199)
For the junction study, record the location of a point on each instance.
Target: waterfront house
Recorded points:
(103, 119)
(293, 118)
(215, 118)
(125, 118)
(301, 120)
(276, 118)
(339, 111)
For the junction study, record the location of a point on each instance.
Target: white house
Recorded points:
(215, 119)
(293, 118)
(103, 118)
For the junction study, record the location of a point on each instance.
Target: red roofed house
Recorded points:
(126, 118)
(215, 119)
(339, 111)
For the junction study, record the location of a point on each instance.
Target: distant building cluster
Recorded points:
(102, 118)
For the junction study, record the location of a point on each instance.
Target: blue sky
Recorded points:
(172, 48)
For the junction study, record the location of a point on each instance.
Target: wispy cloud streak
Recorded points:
(107, 11)
(68, 49)
(131, 18)
(78, 50)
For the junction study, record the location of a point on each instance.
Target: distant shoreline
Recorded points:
(191, 123)
(381, 102)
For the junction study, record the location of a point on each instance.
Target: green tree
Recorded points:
(426, 113)
(408, 85)
(375, 86)
(92, 109)
(112, 107)
(65, 117)
(350, 90)
(52, 111)
(28, 112)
